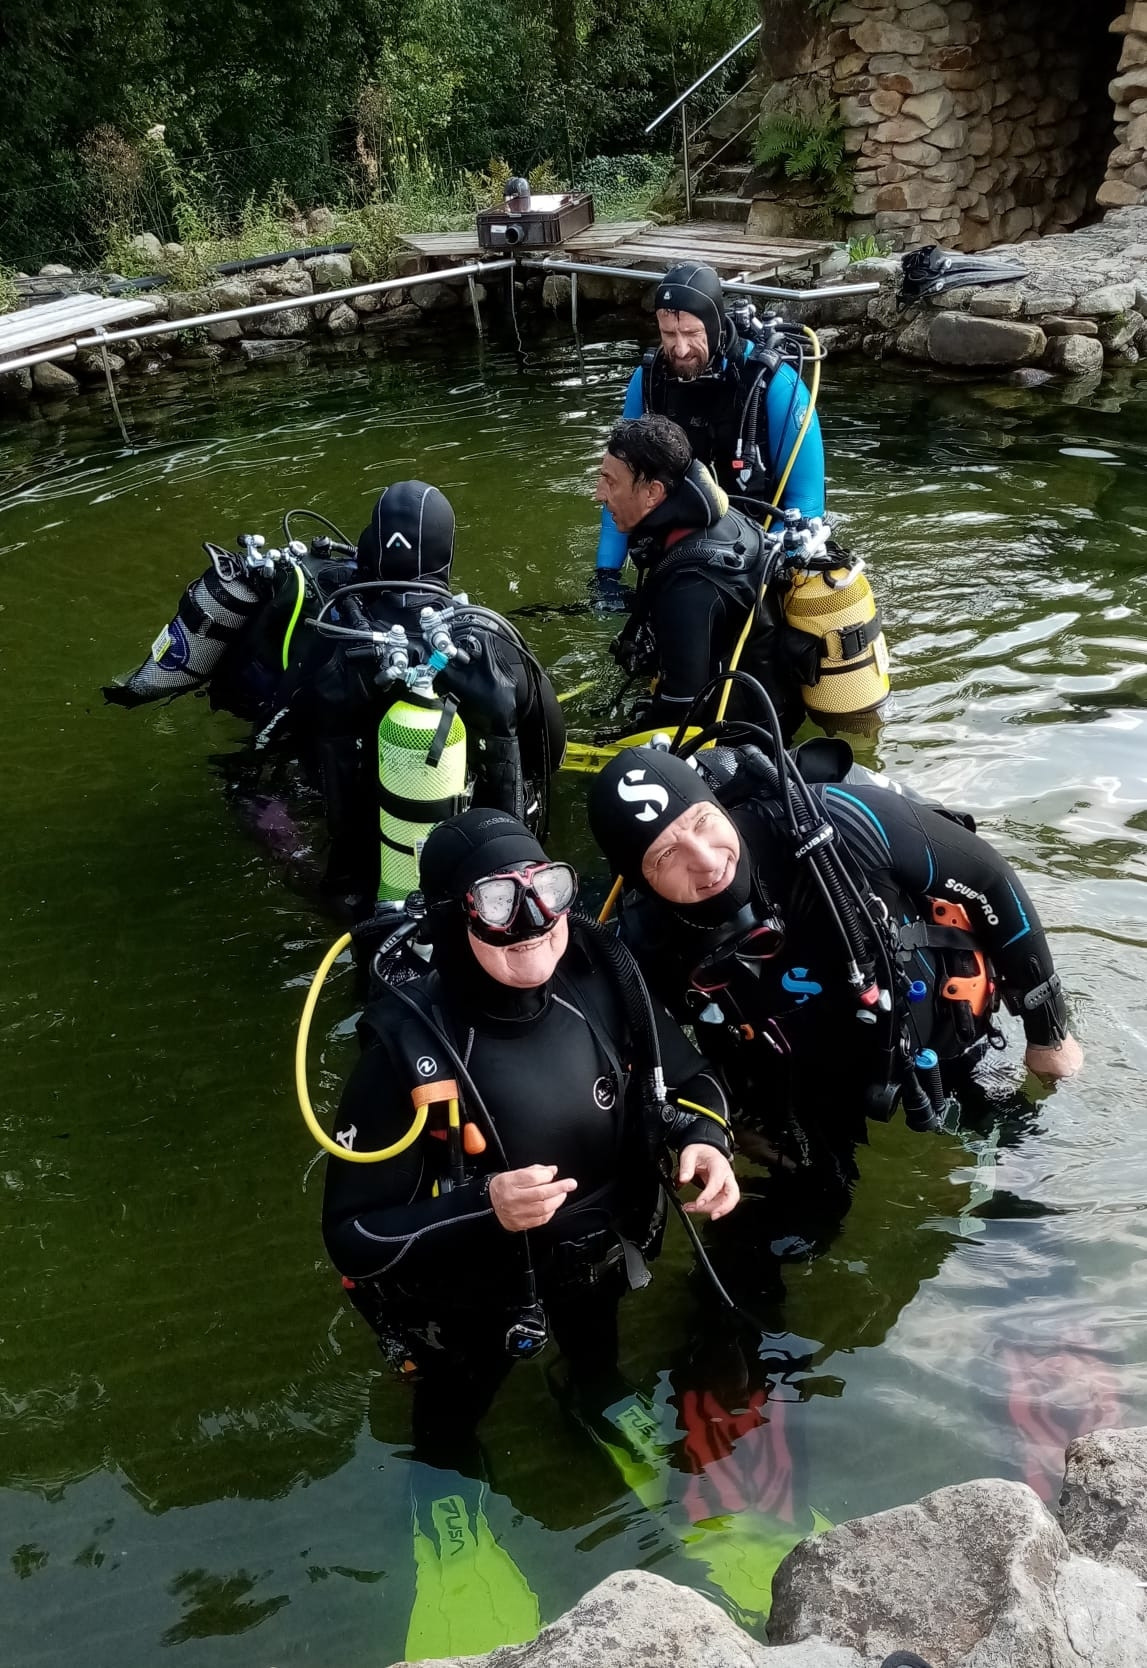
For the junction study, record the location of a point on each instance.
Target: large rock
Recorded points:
(1074, 356)
(227, 293)
(1103, 1503)
(634, 1618)
(288, 321)
(343, 320)
(1105, 303)
(226, 330)
(436, 298)
(89, 362)
(51, 379)
(961, 339)
(257, 352)
(966, 1576)
(872, 36)
(148, 247)
(330, 272)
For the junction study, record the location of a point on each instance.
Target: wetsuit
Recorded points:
(700, 567)
(710, 409)
(551, 1066)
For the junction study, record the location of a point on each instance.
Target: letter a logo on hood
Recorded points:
(635, 790)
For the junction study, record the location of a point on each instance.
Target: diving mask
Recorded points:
(520, 903)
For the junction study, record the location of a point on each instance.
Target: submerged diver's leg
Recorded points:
(460, 1364)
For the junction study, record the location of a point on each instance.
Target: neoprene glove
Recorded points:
(608, 593)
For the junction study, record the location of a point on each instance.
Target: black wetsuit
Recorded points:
(809, 1058)
(700, 567)
(514, 726)
(552, 1067)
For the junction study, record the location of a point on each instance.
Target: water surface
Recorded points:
(200, 1453)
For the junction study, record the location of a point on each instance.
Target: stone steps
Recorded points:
(722, 206)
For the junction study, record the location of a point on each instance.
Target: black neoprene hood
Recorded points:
(411, 535)
(635, 798)
(695, 289)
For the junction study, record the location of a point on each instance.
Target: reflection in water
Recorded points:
(198, 1440)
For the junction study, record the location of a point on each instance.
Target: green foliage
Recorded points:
(9, 294)
(867, 248)
(804, 148)
(623, 186)
(124, 116)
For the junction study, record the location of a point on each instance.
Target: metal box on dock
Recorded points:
(546, 222)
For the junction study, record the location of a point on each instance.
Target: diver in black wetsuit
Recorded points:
(700, 568)
(514, 725)
(547, 1193)
(815, 1031)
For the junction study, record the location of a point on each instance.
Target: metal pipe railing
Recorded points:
(701, 79)
(681, 101)
(775, 293)
(167, 327)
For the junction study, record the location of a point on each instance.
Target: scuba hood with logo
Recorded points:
(410, 536)
(458, 852)
(696, 289)
(633, 800)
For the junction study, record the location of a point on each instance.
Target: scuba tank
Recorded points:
(421, 758)
(213, 613)
(833, 603)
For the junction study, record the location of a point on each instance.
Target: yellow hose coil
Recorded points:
(301, 1090)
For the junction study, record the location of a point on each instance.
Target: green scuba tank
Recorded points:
(421, 780)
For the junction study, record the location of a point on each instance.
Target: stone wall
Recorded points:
(973, 122)
(1126, 180)
(347, 324)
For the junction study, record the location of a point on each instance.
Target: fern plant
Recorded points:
(806, 149)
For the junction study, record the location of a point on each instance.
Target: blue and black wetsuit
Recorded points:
(709, 409)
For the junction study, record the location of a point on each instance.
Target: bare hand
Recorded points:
(528, 1198)
(711, 1171)
(1051, 1061)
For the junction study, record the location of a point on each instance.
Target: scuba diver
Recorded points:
(421, 700)
(701, 568)
(532, 1203)
(726, 380)
(837, 949)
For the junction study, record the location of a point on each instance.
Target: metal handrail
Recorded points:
(680, 102)
(701, 79)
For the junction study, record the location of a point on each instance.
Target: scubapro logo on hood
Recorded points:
(635, 790)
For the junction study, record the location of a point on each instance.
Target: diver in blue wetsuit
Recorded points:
(740, 405)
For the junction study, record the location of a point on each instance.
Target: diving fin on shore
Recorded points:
(469, 1594)
(932, 270)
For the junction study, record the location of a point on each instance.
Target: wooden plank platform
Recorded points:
(640, 243)
(32, 328)
(719, 244)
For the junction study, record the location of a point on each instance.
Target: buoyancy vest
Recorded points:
(619, 1221)
(714, 409)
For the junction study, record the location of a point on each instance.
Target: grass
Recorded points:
(420, 200)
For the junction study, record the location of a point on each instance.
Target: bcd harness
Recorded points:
(723, 432)
(603, 1246)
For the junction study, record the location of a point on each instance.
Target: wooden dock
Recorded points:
(32, 328)
(639, 243)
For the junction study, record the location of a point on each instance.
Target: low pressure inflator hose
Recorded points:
(301, 1090)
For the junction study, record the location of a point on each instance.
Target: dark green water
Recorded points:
(200, 1457)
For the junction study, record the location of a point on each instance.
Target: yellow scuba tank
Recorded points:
(837, 605)
(421, 781)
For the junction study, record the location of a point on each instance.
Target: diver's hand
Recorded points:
(528, 1198)
(608, 593)
(1051, 1061)
(711, 1171)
